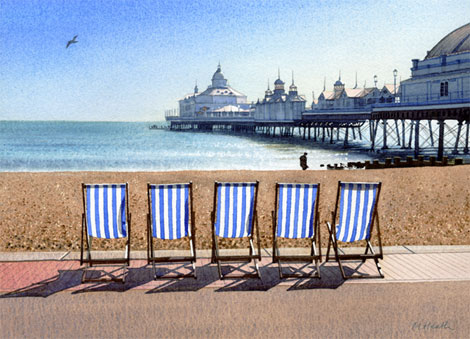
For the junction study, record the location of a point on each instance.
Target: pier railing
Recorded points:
(456, 97)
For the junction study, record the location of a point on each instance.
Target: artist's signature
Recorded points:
(430, 325)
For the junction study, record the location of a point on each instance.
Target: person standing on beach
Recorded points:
(303, 161)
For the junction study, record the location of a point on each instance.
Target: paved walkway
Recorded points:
(43, 274)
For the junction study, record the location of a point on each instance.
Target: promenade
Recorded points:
(45, 273)
(424, 295)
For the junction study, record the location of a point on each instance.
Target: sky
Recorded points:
(136, 59)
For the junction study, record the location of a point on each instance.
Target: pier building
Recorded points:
(444, 73)
(278, 105)
(342, 98)
(219, 100)
(438, 93)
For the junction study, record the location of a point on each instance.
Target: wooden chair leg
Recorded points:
(278, 253)
(330, 242)
(340, 265)
(194, 270)
(256, 262)
(379, 268)
(219, 268)
(317, 265)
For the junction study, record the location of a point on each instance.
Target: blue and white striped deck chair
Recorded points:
(171, 217)
(234, 216)
(106, 216)
(356, 205)
(295, 216)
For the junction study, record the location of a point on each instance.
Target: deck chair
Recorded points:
(171, 217)
(106, 216)
(295, 216)
(234, 216)
(356, 204)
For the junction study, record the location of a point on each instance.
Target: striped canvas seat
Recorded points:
(106, 216)
(356, 211)
(169, 211)
(170, 217)
(296, 217)
(235, 207)
(356, 207)
(106, 211)
(234, 216)
(296, 210)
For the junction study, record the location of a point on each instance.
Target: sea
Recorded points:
(45, 146)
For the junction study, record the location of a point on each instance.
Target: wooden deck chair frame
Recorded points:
(152, 259)
(332, 241)
(87, 239)
(315, 255)
(252, 256)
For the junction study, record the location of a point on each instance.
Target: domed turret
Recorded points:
(278, 84)
(268, 92)
(218, 79)
(338, 83)
(339, 86)
(293, 87)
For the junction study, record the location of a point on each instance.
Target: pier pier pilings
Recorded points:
(423, 129)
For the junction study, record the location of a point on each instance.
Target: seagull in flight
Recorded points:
(73, 41)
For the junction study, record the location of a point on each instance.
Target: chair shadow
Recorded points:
(206, 275)
(135, 277)
(269, 279)
(66, 279)
(330, 279)
(356, 274)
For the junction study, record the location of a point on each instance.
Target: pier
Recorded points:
(427, 113)
(433, 126)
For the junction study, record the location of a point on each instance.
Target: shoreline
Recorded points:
(41, 211)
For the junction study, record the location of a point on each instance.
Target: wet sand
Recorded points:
(418, 206)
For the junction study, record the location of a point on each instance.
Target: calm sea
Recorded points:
(132, 146)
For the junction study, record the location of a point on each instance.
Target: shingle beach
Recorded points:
(418, 206)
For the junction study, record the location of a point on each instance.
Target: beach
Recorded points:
(41, 211)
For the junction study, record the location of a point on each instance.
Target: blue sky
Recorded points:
(134, 59)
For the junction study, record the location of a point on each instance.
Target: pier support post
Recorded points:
(354, 133)
(309, 129)
(430, 133)
(323, 135)
(417, 138)
(331, 135)
(385, 135)
(372, 134)
(465, 149)
(440, 146)
(346, 137)
(411, 133)
(403, 134)
(398, 132)
(457, 139)
(360, 133)
(315, 134)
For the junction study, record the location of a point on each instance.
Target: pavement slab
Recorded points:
(33, 274)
